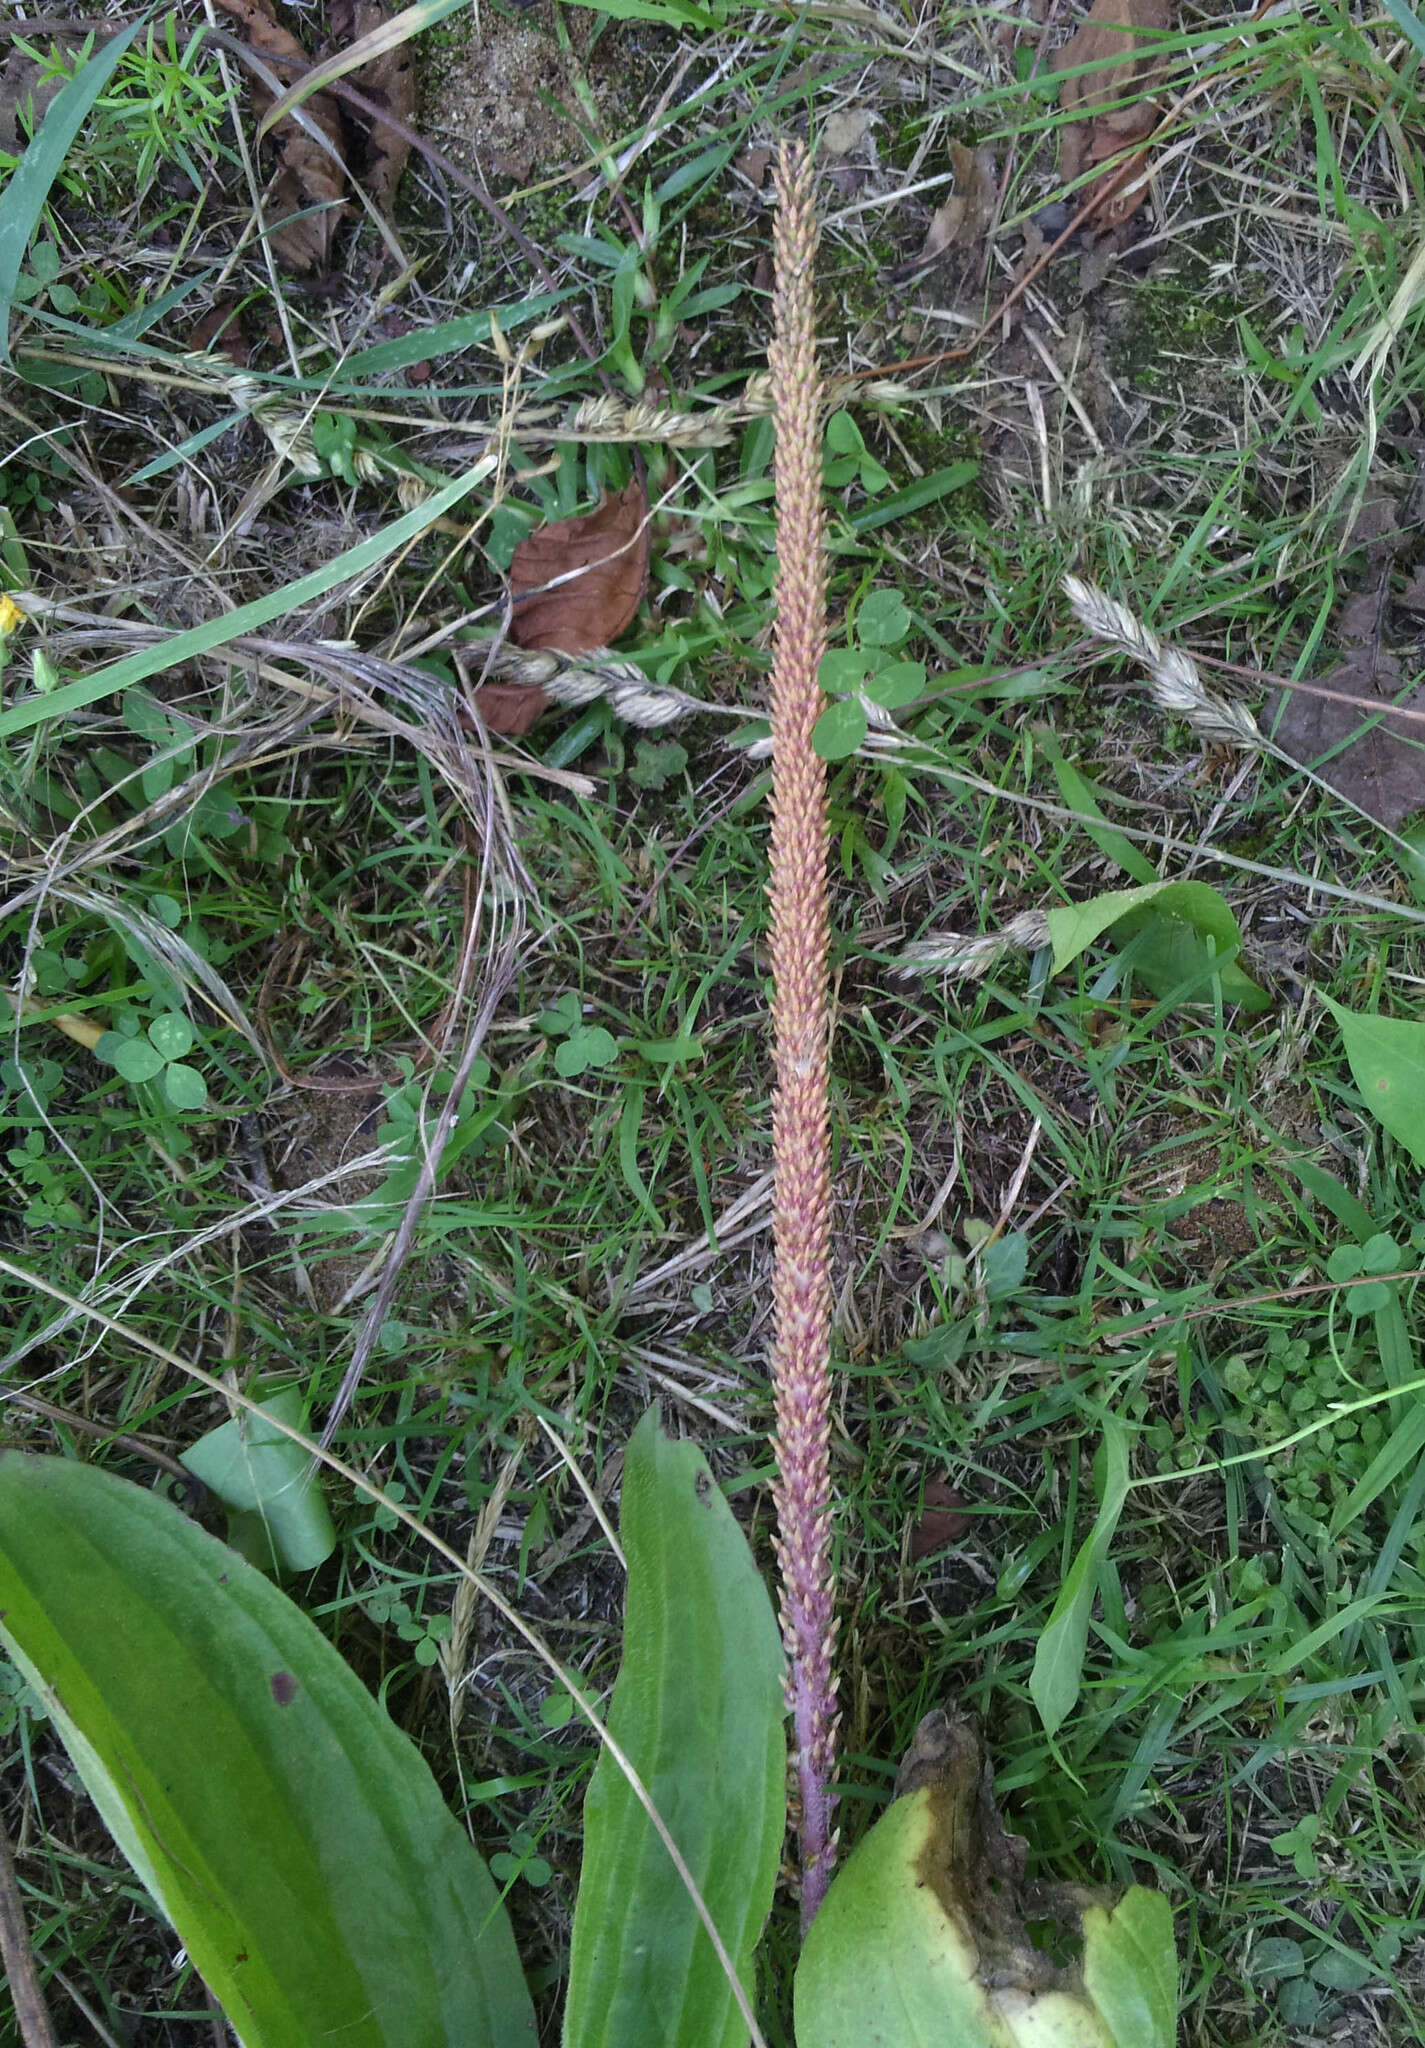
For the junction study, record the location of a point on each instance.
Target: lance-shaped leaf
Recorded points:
(698, 1710)
(294, 1837)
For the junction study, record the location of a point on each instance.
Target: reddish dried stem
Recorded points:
(801, 1153)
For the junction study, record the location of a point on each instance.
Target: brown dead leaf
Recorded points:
(1376, 762)
(1120, 37)
(844, 130)
(965, 217)
(25, 94)
(943, 1521)
(578, 583)
(389, 82)
(308, 176)
(510, 708)
(220, 329)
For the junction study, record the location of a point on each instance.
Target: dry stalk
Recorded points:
(801, 1152)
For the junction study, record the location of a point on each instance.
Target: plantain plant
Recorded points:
(298, 1842)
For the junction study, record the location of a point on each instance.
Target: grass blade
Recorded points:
(23, 200)
(1059, 1657)
(247, 618)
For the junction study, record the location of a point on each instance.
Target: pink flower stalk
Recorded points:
(801, 1145)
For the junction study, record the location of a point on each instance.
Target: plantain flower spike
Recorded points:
(801, 1353)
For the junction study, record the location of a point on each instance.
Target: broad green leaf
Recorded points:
(882, 1945)
(1131, 1969)
(897, 684)
(1080, 798)
(185, 1087)
(841, 670)
(840, 730)
(1175, 961)
(1386, 1056)
(892, 1960)
(1196, 906)
(172, 1033)
(293, 1836)
(23, 201)
(266, 1483)
(883, 620)
(698, 1709)
(1059, 1656)
(136, 1059)
(589, 1046)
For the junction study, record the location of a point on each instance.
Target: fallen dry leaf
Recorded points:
(843, 130)
(220, 330)
(25, 94)
(1120, 37)
(943, 1521)
(964, 218)
(578, 583)
(510, 708)
(1375, 762)
(309, 176)
(389, 82)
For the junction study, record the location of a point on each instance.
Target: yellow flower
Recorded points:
(11, 617)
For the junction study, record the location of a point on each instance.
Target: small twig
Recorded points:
(21, 1972)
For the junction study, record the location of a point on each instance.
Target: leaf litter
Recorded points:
(577, 585)
(309, 194)
(1375, 758)
(966, 217)
(1121, 38)
(578, 582)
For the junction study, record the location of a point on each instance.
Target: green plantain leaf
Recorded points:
(1131, 1969)
(1190, 912)
(698, 1710)
(1055, 1680)
(296, 1840)
(917, 1946)
(884, 1964)
(1387, 1061)
(277, 1516)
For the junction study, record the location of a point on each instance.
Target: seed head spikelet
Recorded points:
(801, 1368)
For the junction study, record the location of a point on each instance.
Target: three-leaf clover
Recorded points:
(848, 460)
(158, 1055)
(582, 1045)
(868, 672)
(1379, 1254)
